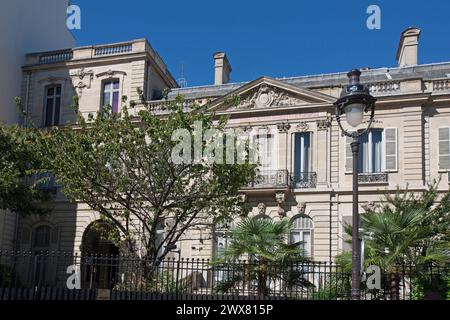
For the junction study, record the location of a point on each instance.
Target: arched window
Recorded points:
(41, 239)
(302, 232)
(222, 237)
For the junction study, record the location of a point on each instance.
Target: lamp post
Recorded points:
(354, 102)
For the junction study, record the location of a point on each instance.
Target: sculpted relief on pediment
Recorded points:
(266, 96)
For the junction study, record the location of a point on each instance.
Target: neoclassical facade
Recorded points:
(305, 172)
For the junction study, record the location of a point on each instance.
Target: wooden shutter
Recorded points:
(444, 148)
(390, 149)
(348, 155)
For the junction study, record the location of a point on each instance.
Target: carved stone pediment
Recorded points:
(266, 96)
(267, 93)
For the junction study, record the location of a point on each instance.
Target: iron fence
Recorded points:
(25, 275)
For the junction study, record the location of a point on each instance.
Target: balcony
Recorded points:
(373, 178)
(281, 179)
(304, 180)
(44, 182)
(270, 179)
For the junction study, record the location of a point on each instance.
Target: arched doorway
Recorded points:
(99, 257)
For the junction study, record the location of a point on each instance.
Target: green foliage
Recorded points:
(20, 162)
(8, 277)
(120, 164)
(263, 240)
(271, 259)
(409, 228)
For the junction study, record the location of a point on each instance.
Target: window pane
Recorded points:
(107, 99)
(115, 102)
(58, 90)
(50, 91)
(295, 237)
(108, 86)
(376, 151)
(49, 112)
(57, 109)
(116, 85)
(306, 243)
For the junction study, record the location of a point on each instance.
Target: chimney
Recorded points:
(407, 53)
(222, 68)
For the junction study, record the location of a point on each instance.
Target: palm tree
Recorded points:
(264, 243)
(408, 230)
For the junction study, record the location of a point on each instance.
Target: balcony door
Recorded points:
(302, 159)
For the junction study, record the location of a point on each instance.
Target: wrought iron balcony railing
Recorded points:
(271, 179)
(376, 177)
(304, 180)
(45, 182)
(282, 179)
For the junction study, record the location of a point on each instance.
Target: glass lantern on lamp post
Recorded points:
(355, 101)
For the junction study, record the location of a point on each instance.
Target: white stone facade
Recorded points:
(412, 114)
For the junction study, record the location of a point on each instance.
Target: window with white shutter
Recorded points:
(390, 149)
(444, 148)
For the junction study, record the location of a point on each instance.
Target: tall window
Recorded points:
(222, 237)
(111, 95)
(371, 155)
(266, 152)
(302, 157)
(302, 233)
(41, 239)
(52, 105)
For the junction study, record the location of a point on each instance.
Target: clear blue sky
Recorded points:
(275, 38)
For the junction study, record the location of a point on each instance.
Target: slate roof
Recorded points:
(424, 71)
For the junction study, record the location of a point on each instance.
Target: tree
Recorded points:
(19, 172)
(271, 258)
(122, 166)
(408, 229)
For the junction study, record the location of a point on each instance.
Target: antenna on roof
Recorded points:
(182, 82)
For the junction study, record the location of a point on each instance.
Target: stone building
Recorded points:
(306, 172)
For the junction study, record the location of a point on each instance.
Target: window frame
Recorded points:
(309, 250)
(371, 155)
(111, 93)
(54, 97)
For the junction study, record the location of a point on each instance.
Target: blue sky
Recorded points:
(273, 38)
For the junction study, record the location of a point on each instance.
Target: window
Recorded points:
(302, 158)
(266, 152)
(111, 95)
(371, 155)
(41, 239)
(444, 148)
(302, 233)
(52, 105)
(222, 237)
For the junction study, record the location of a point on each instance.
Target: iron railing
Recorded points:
(282, 179)
(125, 276)
(304, 180)
(378, 177)
(271, 179)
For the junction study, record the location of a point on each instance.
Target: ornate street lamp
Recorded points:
(355, 101)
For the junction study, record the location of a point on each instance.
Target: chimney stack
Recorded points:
(407, 53)
(222, 68)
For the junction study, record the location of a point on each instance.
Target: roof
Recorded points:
(424, 71)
